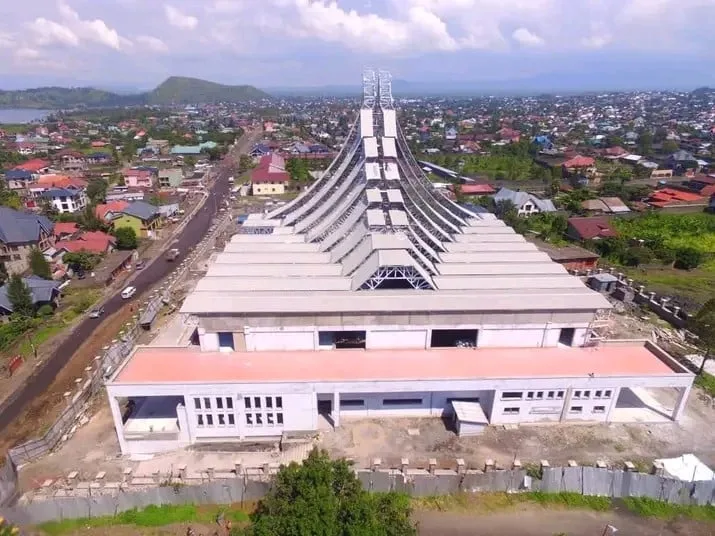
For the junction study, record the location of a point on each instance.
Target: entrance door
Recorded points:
(566, 336)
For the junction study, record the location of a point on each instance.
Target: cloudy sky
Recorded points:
(269, 43)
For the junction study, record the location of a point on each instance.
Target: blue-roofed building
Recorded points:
(192, 150)
(526, 204)
(43, 292)
(259, 150)
(66, 200)
(20, 232)
(17, 179)
(99, 158)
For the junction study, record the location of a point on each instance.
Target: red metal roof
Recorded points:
(271, 168)
(579, 161)
(34, 165)
(592, 227)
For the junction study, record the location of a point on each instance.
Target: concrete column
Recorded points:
(184, 426)
(239, 341)
(567, 404)
(336, 409)
(680, 404)
(614, 400)
(118, 424)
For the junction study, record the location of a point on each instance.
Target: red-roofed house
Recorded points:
(590, 228)
(616, 152)
(36, 166)
(270, 176)
(92, 242)
(65, 230)
(105, 211)
(669, 197)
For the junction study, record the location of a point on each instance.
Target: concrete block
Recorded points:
(516, 464)
(73, 475)
(376, 463)
(658, 469)
(238, 466)
(544, 464)
(572, 463)
(432, 465)
(461, 466)
(181, 469)
(404, 464)
(629, 466)
(47, 483)
(100, 475)
(489, 465)
(600, 464)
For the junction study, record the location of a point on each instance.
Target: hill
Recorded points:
(175, 90)
(183, 90)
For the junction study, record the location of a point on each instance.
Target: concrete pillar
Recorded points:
(680, 404)
(184, 428)
(461, 466)
(404, 465)
(336, 409)
(432, 465)
(118, 423)
(614, 400)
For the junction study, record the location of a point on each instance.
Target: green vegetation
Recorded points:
(646, 507)
(184, 90)
(324, 496)
(126, 238)
(175, 90)
(703, 325)
(20, 297)
(299, 170)
(706, 382)
(9, 198)
(151, 516)
(39, 265)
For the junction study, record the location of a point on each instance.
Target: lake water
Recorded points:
(22, 115)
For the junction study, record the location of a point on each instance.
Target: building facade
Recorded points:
(373, 295)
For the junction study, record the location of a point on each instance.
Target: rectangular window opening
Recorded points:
(511, 411)
(352, 403)
(512, 395)
(599, 409)
(279, 418)
(231, 419)
(247, 402)
(576, 409)
(454, 338)
(229, 403)
(402, 402)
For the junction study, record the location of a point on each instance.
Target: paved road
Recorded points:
(154, 272)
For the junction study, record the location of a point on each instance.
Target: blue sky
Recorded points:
(576, 43)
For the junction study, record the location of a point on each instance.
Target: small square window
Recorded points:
(511, 411)
(269, 418)
(257, 402)
(599, 409)
(530, 395)
(560, 395)
(587, 394)
(231, 419)
(598, 394)
(247, 402)
(279, 403)
(577, 394)
(219, 403)
(607, 394)
(221, 419)
(576, 409)
(207, 403)
(259, 419)
(279, 418)
(249, 419)
(551, 394)
(209, 420)
(229, 403)
(197, 403)
(200, 419)
(540, 395)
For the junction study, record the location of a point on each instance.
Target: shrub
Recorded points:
(687, 258)
(635, 256)
(45, 310)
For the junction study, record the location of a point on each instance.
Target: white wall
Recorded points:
(280, 340)
(377, 339)
(510, 337)
(433, 404)
(208, 341)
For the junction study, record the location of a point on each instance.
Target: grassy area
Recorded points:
(695, 286)
(151, 516)
(706, 382)
(651, 508)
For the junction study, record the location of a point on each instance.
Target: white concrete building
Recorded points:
(372, 295)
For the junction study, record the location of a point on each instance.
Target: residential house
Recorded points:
(110, 210)
(702, 184)
(143, 217)
(605, 205)
(259, 150)
(99, 158)
(671, 197)
(580, 165)
(509, 134)
(192, 150)
(681, 162)
(138, 178)
(269, 176)
(66, 200)
(170, 178)
(95, 242)
(65, 230)
(18, 179)
(20, 232)
(526, 204)
(450, 134)
(472, 189)
(589, 228)
(43, 292)
(36, 166)
(72, 161)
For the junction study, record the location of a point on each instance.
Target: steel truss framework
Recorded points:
(384, 274)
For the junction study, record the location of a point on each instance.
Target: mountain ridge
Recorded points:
(174, 90)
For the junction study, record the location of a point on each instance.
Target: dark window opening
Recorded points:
(566, 336)
(512, 395)
(454, 338)
(341, 340)
(402, 402)
(352, 403)
(225, 340)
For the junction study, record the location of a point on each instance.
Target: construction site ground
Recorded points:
(525, 520)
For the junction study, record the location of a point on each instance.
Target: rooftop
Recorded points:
(190, 365)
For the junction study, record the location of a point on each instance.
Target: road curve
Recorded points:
(154, 272)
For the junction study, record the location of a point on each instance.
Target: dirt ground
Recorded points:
(526, 521)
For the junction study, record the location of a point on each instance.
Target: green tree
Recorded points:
(39, 265)
(89, 220)
(687, 258)
(8, 198)
(703, 325)
(3, 273)
(670, 146)
(81, 261)
(190, 161)
(324, 497)
(126, 238)
(20, 297)
(96, 190)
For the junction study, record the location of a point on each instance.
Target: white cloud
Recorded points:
(597, 41)
(26, 53)
(154, 44)
(48, 32)
(7, 40)
(96, 30)
(180, 20)
(527, 38)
